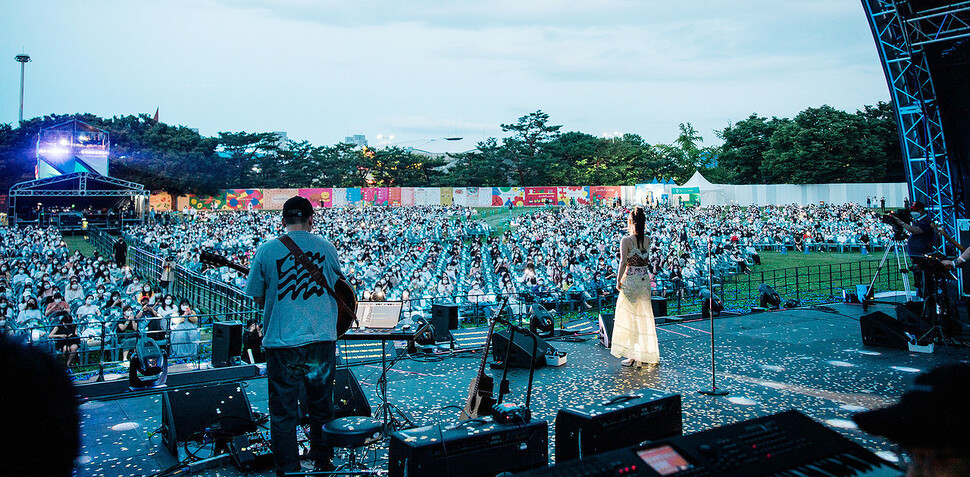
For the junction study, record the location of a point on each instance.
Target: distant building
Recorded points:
(358, 140)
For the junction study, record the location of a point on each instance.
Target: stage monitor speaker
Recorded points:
(621, 421)
(606, 328)
(521, 350)
(188, 412)
(659, 306)
(348, 397)
(226, 343)
(880, 329)
(446, 314)
(473, 448)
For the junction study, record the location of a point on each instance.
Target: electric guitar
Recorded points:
(480, 400)
(343, 291)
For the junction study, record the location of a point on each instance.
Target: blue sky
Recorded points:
(423, 70)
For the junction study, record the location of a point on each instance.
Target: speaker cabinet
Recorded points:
(621, 421)
(226, 343)
(880, 329)
(521, 352)
(659, 306)
(348, 397)
(187, 413)
(444, 318)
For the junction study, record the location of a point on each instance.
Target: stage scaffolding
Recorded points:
(102, 200)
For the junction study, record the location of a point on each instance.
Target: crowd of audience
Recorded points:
(70, 303)
(549, 255)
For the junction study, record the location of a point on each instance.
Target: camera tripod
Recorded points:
(896, 247)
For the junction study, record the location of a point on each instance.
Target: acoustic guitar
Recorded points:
(948, 237)
(482, 386)
(343, 291)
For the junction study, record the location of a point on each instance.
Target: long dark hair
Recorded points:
(639, 222)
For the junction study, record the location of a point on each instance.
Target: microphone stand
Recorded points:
(104, 324)
(713, 391)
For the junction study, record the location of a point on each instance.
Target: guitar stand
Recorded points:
(504, 384)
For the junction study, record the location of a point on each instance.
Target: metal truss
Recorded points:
(32, 188)
(901, 43)
(947, 23)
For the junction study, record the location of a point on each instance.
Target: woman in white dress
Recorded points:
(634, 330)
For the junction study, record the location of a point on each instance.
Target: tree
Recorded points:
(525, 157)
(745, 144)
(820, 145)
(241, 152)
(484, 166)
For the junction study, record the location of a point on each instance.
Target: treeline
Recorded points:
(819, 145)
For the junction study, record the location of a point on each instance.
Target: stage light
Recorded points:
(148, 367)
(769, 297)
(63, 141)
(541, 322)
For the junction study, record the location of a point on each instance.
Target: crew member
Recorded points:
(300, 331)
(930, 421)
(958, 262)
(921, 240)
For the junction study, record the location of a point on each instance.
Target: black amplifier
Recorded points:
(622, 421)
(476, 447)
(785, 444)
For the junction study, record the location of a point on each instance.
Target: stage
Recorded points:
(809, 359)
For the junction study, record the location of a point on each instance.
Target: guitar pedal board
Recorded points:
(252, 450)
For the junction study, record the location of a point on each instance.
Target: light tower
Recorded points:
(22, 58)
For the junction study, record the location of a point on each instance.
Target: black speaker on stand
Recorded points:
(226, 343)
(521, 349)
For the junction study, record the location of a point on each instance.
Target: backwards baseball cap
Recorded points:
(297, 207)
(933, 413)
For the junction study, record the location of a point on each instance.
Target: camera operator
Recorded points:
(922, 235)
(921, 240)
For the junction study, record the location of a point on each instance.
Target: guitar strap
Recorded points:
(304, 262)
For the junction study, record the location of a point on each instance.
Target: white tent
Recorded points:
(711, 194)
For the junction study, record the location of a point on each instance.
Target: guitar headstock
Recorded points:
(213, 260)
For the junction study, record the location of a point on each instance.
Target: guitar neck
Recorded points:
(948, 238)
(488, 343)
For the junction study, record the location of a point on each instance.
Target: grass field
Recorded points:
(80, 242)
(777, 261)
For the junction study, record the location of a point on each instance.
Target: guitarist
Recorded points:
(300, 332)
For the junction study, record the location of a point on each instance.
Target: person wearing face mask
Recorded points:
(185, 331)
(73, 292)
(57, 304)
(127, 330)
(167, 307)
(145, 293)
(922, 238)
(30, 317)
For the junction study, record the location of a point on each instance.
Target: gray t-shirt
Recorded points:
(297, 311)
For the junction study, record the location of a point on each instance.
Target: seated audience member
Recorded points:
(127, 332)
(930, 421)
(185, 331)
(57, 304)
(36, 389)
(65, 335)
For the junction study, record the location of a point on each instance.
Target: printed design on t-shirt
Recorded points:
(295, 280)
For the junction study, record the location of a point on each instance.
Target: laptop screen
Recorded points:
(382, 315)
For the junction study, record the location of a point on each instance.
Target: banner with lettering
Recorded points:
(447, 196)
(535, 196)
(354, 197)
(375, 195)
(427, 196)
(394, 196)
(603, 195)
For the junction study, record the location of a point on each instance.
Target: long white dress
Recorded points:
(634, 329)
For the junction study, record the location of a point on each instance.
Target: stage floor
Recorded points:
(810, 359)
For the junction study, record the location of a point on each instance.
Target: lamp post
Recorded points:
(22, 58)
(612, 136)
(385, 139)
